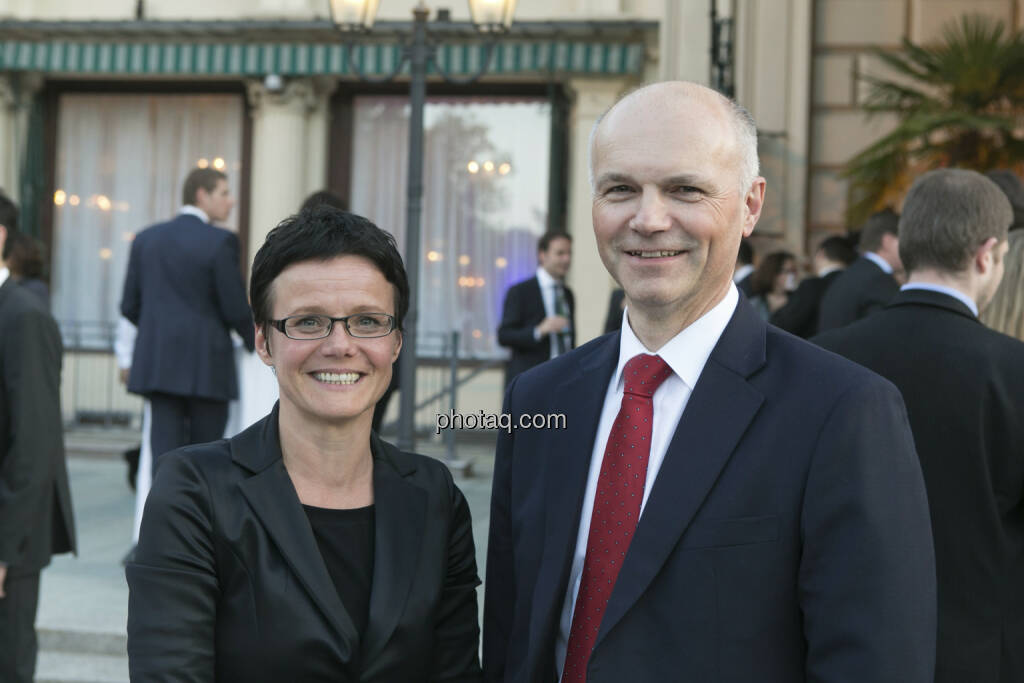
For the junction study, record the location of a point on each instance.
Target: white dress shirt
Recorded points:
(942, 289)
(4, 274)
(686, 353)
(195, 211)
(878, 261)
(548, 285)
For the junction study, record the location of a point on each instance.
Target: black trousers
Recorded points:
(184, 420)
(18, 645)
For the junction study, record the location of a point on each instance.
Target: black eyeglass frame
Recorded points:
(279, 325)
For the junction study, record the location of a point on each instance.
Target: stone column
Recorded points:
(588, 278)
(317, 134)
(685, 41)
(289, 141)
(10, 147)
(773, 84)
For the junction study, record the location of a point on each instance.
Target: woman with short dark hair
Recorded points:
(305, 548)
(772, 281)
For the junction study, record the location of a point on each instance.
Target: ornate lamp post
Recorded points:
(488, 16)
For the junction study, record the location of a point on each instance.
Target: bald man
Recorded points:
(727, 502)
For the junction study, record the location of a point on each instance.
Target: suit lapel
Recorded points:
(566, 466)
(272, 496)
(401, 510)
(717, 414)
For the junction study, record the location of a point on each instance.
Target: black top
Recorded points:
(345, 539)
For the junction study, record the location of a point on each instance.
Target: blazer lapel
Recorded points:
(401, 510)
(272, 496)
(717, 414)
(566, 466)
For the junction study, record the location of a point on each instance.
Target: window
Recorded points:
(485, 203)
(120, 164)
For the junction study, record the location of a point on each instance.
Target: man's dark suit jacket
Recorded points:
(786, 537)
(184, 292)
(964, 389)
(799, 315)
(860, 290)
(613, 319)
(523, 311)
(228, 583)
(35, 502)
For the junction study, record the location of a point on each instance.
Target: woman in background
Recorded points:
(772, 281)
(1005, 313)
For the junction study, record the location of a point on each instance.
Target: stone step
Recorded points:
(82, 642)
(76, 667)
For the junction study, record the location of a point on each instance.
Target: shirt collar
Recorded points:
(545, 279)
(687, 352)
(943, 289)
(194, 211)
(878, 261)
(743, 271)
(4, 274)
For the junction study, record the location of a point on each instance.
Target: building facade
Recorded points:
(104, 108)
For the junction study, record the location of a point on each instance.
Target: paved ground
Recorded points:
(83, 604)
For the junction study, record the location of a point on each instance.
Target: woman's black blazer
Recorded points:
(228, 583)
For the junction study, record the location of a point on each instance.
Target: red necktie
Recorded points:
(620, 489)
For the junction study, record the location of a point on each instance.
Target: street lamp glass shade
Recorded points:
(353, 14)
(492, 15)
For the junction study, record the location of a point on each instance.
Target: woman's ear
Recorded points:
(263, 345)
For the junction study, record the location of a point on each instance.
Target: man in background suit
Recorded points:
(799, 315)
(184, 292)
(537, 319)
(869, 283)
(964, 389)
(744, 268)
(783, 528)
(35, 501)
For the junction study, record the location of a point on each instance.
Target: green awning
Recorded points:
(75, 57)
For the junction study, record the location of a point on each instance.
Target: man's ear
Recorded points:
(753, 202)
(985, 255)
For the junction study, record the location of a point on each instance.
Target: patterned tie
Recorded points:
(620, 489)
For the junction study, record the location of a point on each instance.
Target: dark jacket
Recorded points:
(964, 389)
(799, 315)
(523, 311)
(228, 583)
(785, 539)
(35, 501)
(860, 290)
(183, 291)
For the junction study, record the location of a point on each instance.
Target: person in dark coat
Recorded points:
(36, 520)
(869, 283)
(799, 315)
(305, 548)
(183, 290)
(742, 276)
(963, 384)
(537, 320)
(25, 261)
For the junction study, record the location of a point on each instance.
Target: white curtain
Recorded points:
(121, 162)
(484, 204)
